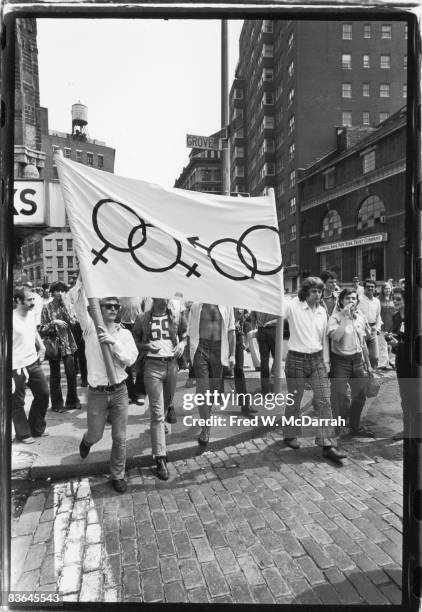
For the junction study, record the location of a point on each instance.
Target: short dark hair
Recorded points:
(327, 274)
(106, 299)
(58, 286)
(308, 284)
(398, 291)
(344, 293)
(19, 292)
(369, 281)
(45, 286)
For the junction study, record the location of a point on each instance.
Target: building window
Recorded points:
(292, 178)
(329, 178)
(239, 152)
(239, 171)
(366, 118)
(267, 26)
(69, 244)
(70, 261)
(67, 153)
(291, 151)
(48, 244)
(282, 237)
(280, 189)
(384, 90)
(268, 97)
(269, 169)
(385, 61)
(269, 146)
(78, 156)
(347, 31)
(60, 262)
(386, 30)
(268, 123)
(365, 90)
(404, 91)
(268, 75)
(268, 51)
(346, 90)
(60, 275)
(346, 61)
(293, 258)
(346, 118)
(100, 160)
(90, 159)
(282, 213)
(367, 30)
(371, 211)
(291, 124)
(291, 95)
(59, 244)
(366, 61)
(368, 162)
(383, 117)
(292, 205)
(292, 232)
(290, 41)
(49, 261)
(331, 226)
(291, 68)
(238, 94)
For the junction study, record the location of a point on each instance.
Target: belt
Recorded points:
(108, 388)
(305, 355)
(163, 359)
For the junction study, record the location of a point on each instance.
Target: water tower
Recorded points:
(79, 121)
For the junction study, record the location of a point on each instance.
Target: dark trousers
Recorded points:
(266, 343)
(35, 423)
(55, 387)
(348, 369)
(79, 357)
(239, 374)
(208, 370)
(407, 389)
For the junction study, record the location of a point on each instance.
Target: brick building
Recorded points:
(203, 172)
(295, 82)
(352, 204)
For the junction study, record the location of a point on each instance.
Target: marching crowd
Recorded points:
(338, 337)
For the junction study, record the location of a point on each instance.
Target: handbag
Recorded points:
(52, 348)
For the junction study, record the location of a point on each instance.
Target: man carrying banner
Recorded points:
(308, 361)
(102, 396)
(212, 345)
(160, 335)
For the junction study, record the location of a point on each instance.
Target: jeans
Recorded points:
(35, 423)
(373, 348)
(208, 370)
(348, 369)
(55, 387)
(239, 374)
(266, 343)
(116, 403)
(79, 356)
(299, 370)
(160, 382)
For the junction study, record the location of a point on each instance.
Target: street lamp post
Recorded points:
(225, 153)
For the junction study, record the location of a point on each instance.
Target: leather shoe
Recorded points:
(204, 436)
(84, 449)
(119, 485)
(329, 452)
(292, 442)
(171, 415)
(162, 471)
(362, 432)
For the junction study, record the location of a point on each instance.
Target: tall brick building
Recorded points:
(295, 82)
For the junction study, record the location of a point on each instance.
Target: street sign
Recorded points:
(202, 142)
(29, 202)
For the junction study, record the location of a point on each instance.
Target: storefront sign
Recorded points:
(346, 244)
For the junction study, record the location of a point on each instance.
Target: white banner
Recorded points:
(135, 238)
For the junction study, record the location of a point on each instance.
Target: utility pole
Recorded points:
(225, 153)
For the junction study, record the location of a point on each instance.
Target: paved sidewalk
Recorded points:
(255, 522)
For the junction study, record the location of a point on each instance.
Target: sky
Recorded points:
(146, 83)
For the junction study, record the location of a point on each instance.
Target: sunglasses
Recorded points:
(110, 306)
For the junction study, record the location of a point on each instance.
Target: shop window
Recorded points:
(371, 211)
(331, 226)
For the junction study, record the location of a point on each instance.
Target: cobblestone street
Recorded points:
(257, 522)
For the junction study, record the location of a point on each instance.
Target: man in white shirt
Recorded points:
(308, 361)
(370, 306)
(103, 397)
(357, 286)
(26, 368)
(212, 345)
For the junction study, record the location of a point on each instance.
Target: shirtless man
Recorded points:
(212, 345)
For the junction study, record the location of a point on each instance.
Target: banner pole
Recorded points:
(278, 359)
(97, 317)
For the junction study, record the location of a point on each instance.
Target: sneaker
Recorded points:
(44, 434)
(162, 470)
(171, 415)
(84, 449)
(28, 440)
(119, 485)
